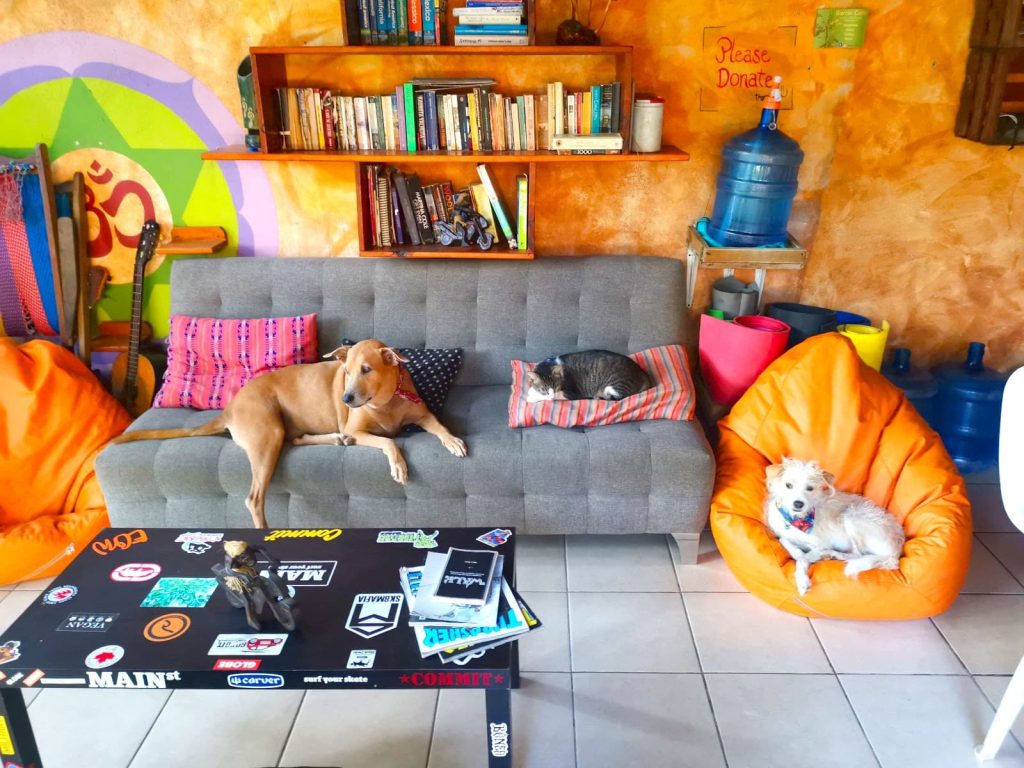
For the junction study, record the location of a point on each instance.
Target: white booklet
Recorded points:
(426, 611)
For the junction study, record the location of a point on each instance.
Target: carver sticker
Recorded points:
(327, 534)
(419, 539)
(248, 645)
(104, 657)
(255, 680)
(361, 659)
(495, 538)
(170, 626)
(10, 651)
(374, 614)
(60, 594)
(135, 572)
(180, 593)
(87, 622)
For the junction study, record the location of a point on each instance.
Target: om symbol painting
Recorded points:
(120, 195)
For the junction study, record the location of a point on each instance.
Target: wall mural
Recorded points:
(134, 124)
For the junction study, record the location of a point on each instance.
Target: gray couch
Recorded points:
(642, 477)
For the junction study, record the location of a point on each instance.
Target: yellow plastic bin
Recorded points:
(869, 341)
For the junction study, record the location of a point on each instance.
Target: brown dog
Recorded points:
(363, 396)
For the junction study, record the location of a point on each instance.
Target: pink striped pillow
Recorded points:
(210, 359)
(671, 397)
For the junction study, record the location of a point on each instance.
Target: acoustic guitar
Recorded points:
(132, 377)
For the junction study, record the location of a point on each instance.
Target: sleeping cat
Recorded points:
(596, 374)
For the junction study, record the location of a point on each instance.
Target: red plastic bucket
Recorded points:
(733, 354)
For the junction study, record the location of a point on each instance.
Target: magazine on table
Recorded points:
(511, 622)
(425, 611)
(464, 653)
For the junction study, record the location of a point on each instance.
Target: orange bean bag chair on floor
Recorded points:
(54, 418)
(819, 401)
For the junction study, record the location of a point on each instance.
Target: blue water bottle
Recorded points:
(757, 183)
(967, 410)
(918, 385)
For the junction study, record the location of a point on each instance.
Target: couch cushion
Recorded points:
(652, 476)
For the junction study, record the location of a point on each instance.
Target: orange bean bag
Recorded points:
(819, 401)
(54, 418)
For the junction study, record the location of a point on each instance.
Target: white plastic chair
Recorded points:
(1011, 483)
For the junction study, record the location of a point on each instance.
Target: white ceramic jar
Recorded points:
(648, 115)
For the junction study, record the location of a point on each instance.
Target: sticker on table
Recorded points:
(33, 678)
(255, 680)
(168, 627)
(124, 540)
(325, 534)
(419, 539)
(15, 678)
(104, 657)
(6, 743)
(361, 659)
(87, 622)
(495, 538)
(135, 572)
(180, 593)
(305, 573)
(236, 665)
(10, 651)
(248, 645)
(374, 614)
(197, 542)
(60, 594)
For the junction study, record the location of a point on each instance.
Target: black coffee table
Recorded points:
(99, 626)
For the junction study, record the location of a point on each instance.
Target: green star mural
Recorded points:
(70, 114)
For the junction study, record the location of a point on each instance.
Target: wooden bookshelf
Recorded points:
(358, 70)
(668, 154)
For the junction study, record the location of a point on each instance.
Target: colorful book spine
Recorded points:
(482, 203)
(416, 21)
(429, 21)
(496, 206)
(595, 109)
(531, 123)
(522, 210)
(430, 119)
(490, 29)
(392, 22)
(382, 21)
(421, 123)
(402, 21)
(400, 110)
(365, 30)
(474, 135)
(606, 109)
(490, 40)
(327, 105)
(410, 117)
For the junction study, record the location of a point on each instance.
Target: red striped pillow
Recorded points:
(671, 397)
(209, 359)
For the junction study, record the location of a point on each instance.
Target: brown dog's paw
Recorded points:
(455, 446)
(346, 440)
(400, 472)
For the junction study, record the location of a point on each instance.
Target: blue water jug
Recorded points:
(918, 385)
(757, 183)
(967, 410)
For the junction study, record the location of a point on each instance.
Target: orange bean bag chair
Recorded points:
(819, 401)
(54, 418)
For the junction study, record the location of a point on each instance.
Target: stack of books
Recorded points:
(404, 211)
(491, 22)
(461, 605)
(454, 115)
(401, 22)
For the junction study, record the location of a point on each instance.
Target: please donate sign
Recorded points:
(738, 65)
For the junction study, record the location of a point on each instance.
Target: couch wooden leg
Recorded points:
(688, 545)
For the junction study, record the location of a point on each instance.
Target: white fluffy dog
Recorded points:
(816, 522)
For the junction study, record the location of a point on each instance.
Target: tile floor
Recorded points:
(642, 663)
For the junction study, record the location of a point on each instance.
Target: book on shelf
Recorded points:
(396, 22)
(445, 114)
(401, 210)
(594, 141)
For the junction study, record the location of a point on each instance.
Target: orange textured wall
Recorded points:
(905, 222)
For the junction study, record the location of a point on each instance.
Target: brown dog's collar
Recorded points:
(407, 394)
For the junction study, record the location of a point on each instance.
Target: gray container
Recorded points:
(734, 297)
